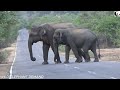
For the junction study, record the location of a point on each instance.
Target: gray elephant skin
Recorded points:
(79, 40)
(45, 33)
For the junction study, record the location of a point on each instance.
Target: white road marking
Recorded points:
(113, 78)
(77, 67)
(10, 76)
(66, 64)
(91, 72)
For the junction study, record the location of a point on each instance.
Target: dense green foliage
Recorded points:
(103, 23)
(8, 27)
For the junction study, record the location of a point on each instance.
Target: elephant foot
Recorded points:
(78, 61)
(57, 62)
(33, 59)
(87, 60)
(66, 62)
(96, 60)
(44, 63)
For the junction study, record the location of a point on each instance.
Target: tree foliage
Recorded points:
(103, 23)
(8, 27)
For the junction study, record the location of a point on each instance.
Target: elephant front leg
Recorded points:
(75, 51)
(67, 51)
(58, 57)
(45, 53)
(95, 53)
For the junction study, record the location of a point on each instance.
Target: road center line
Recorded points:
(66, 64)
(77, 67)
(91, 72)
(113, 78)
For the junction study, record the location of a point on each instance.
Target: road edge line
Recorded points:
(10, 72)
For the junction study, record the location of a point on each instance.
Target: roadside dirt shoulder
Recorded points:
(5, 66)
(106, 54)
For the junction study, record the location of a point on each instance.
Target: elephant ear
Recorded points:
(61, 35)
(44, 32)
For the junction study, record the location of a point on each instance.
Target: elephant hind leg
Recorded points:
(87, 59)
(93, 49)
(86, 55)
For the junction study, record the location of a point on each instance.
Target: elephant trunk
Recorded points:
(30, 50)
(55, 45)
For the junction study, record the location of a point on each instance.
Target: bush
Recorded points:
(3, 56)
(110, 27)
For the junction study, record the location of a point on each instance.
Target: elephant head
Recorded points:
(58, 38)
(37, 33)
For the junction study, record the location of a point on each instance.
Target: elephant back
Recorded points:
(47, 27)
(63, 25)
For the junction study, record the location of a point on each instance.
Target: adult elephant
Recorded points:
(76, 39)
(43, 33)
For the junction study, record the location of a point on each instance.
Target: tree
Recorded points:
(8, 22)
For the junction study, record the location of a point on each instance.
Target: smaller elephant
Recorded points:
(79, 40)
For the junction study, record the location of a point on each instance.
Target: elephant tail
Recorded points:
(98, 48)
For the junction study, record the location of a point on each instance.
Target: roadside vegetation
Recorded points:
(9, 25)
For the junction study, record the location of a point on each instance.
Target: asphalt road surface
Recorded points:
(24, 68)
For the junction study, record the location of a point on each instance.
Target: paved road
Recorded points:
(24, 68)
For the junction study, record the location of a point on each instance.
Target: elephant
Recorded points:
(79, 40)
(43, 33)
